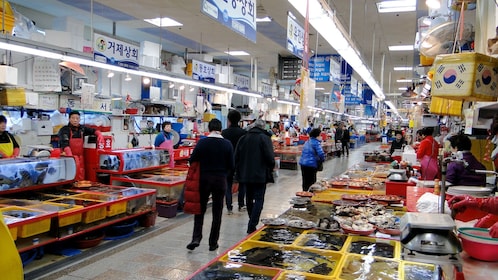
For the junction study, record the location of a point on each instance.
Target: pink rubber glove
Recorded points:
(15, 153)
(100, 137)
(461, 202)
(493, 230)
(68, 151)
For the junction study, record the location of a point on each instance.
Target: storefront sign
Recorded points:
(241, 82)
(115, 52)
(319, 66)
(350, 99)
(265, 89)
(202, 71)
(345, 70)
(367, 95)
(295, 37)
(238, 15)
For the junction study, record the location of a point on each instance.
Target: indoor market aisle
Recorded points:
(161, 253)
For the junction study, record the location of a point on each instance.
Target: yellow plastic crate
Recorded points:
(64, 217)
(330, 195)
(446, 107)
(352, 266)
(259, 235)
(329, 258)
(305, 237)
(116, 208)
(95, 210)
(465, 76)
(93, 215)
(356, 238)
(408, 273)
(13, 232)
(13, 97)
(286, 275)
(34, 223)
(238, 268)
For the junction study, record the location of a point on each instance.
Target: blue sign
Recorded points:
(335, 95)
(202, 71)
(350, 99)
(367, 95)
(345, 70)
(370, 111)
(238, 15)
(319, 67)
(115, 52)
(241, 82)
(295, 37)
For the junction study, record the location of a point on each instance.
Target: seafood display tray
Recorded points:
(29, 222)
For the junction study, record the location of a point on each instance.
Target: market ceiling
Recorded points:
(371, 31)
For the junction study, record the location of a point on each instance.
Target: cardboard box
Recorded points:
(465, 76)
(13, 97)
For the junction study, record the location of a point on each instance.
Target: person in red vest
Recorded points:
(72, 139)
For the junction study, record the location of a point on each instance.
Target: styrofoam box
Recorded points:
(42, 127)
(58, 38)
(149, 61)
(465, 76)
(8, 75)
(150, 49)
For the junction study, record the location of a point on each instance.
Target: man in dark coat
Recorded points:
(254, 163)
(233, 134)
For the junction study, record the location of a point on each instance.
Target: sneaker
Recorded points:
(242, 208)
(230, 212)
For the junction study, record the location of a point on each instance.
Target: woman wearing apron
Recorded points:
(71, 140)
(164, 140)
(9, 148)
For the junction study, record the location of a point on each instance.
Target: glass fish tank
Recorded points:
(132, 159)
(21, 173)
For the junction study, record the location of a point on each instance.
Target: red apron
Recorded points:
(168, 145)
(76, 145)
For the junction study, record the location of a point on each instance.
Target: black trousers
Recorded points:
(309, 176)
(345, 148)
(215, 186)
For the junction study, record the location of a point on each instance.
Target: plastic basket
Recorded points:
(260, 235)
(242, 270)
(31, 222)
(116, 208)
(354, 238)
(354, 266)
(94, 210)
(301, 275)
(302, 240)
(65, 212)
(424, 270)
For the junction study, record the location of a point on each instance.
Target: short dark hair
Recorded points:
(74, 113)
(461, 142)
(398, 132)
(165, 124)
(234, 116)
(315, 132)
(214, 125)
(428, 131)
(3, 119)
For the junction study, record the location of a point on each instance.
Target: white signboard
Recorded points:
(295, 37)
(46, 75)
(241, 82)
(115, 52)
(202, 71)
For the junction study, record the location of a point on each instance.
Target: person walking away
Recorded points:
(233, 134)
(463, 173)
(311, 156)
(9, 148)
(164, 140)
(71, 141)
(215, 157)
(254, 163)
(345, 141)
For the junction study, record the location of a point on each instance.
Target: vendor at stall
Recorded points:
(427, 154)
(72, 139)
(463, 173)
(164, 140)
(398, 143)
(9, 148)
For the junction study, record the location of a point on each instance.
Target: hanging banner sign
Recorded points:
(241, 82)
(115, 52)
(265, 89)
(295, 37)
(202, 71)
(319, 66)
(238, 15)
(350, 99)
(367, 95)
(341, 73)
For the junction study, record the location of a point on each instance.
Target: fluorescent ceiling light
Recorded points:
(128, 77)
(288, 102)
(289, 13)
(319, 88)
(163, 22)
(403, 88)
(403, 68)
(265, 19)
(401, 48)
(397, 6)
(433, 4)
(237, 53)
(404, 81)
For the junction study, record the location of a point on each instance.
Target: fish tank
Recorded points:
(131, 160)
(22, 173)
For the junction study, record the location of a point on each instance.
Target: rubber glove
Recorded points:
(15, 153)
(68, 151)
(493, 230)
(487, 221)
(461, 202)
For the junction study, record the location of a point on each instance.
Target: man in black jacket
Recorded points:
(233, 134)
(254, 163)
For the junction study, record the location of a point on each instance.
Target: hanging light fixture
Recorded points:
(171, 85)
(182, 87)
(128, 77)
(110, 74)
(146, 80)
(433, 4)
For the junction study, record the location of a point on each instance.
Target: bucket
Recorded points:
(167, 209)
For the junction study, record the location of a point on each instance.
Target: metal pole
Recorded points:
(373, 49)
(382, 71)
(350, 17)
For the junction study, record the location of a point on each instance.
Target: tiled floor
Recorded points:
(161, 253)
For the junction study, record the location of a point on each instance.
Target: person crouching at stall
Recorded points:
(9, 148)
(72, 139)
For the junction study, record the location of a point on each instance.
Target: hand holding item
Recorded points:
(68, 152)
(493, 230)
(460, 202)
(100, 137)
(487, 221)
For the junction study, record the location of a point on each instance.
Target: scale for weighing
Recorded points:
(431, 238)
(429, 233)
